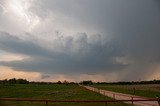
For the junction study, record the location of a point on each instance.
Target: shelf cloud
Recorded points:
(92, 38)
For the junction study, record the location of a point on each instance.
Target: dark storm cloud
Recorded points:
(90, 58)
(133, 26)
(129, 38)
(109, 16)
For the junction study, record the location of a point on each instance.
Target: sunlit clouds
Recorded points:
(7, 73)
(17, 11)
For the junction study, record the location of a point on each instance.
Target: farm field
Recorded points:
(146, 90)
(53, 92)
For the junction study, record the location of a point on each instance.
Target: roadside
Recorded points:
(143, 90)
(121, 96)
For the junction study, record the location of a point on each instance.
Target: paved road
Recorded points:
(121, 96)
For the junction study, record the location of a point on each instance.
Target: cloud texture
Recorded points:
(119, 37)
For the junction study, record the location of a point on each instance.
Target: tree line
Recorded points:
(14, 81)
(88, 82)
(24, 81)
(131, 82)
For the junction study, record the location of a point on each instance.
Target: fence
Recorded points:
(104, 101)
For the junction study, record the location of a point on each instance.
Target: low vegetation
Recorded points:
(50, 91)
(145, 90)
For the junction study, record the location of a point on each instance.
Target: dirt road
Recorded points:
(121, 96)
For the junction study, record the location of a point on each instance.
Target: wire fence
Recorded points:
(79, 101)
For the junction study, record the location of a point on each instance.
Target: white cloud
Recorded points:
(11, 57)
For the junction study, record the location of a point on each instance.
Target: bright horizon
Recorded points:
(76, 40)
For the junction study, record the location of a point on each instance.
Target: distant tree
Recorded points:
(22, 81)
(72, 83)
(12, 81)
(59, 82)
(4, 81)
(87, 82)
(65, 82)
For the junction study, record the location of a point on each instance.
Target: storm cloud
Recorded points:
(76, 54)
(83, 37)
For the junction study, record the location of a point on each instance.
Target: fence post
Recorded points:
(114, 98)
(106, 104)
(46, 103)
(159, 101)
(132, 101)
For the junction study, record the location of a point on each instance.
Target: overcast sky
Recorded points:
(74, 40)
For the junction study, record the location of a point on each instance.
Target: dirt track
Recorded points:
(121, 96)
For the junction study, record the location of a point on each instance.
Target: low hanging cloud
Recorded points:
(74, 54)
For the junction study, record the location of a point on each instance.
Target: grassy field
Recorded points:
(54, 92)
(146, 90)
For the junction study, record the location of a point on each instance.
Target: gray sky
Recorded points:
(99, 40)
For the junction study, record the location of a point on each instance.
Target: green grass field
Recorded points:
(146, 90)
(53, 92)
